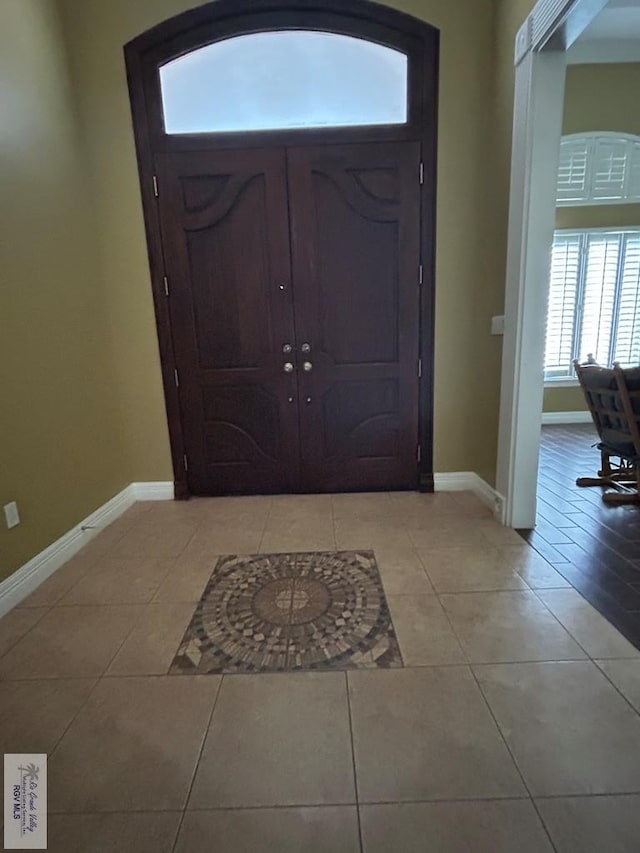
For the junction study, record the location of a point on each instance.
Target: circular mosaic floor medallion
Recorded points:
(324, 610)
(294, 601)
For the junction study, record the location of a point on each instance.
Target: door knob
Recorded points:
(287, 348)
(288, 367)
(307, 366)
(306, 347)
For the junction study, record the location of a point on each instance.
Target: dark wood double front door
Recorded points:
(293, 282)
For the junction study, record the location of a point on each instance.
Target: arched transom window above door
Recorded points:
(284, 79)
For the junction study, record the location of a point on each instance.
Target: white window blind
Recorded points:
(627, 348)
(594, 300)
(600, 262)
(563, 295)
(599, 168)
(572, 170)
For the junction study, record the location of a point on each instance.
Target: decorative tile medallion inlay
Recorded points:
(276, 612)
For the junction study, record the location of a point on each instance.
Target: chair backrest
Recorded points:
(629, 384)
(613, 397)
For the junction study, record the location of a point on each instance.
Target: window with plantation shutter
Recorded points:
(594, 300)
(598, 297)
(563, 296)
(572, 170)
(627, 347)
(599, 168)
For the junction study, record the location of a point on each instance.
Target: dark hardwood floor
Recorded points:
(594, 546)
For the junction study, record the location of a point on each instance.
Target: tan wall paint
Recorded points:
(509, 16)
(602, 97)
(60, 437)
(469, 283)
(597, 97)
(568, 399)
(599, 216)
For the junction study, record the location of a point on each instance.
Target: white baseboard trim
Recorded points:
(27, 578)
(566, 418)
(152, 491)
(469, 481)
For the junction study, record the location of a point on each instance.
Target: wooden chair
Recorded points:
(613, 398)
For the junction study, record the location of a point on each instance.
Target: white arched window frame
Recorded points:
(599, 168)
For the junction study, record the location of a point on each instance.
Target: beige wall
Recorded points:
(468, 277)
(602, 97)
(60, 438)
(597, 97)
(568, 399)
(599, 216)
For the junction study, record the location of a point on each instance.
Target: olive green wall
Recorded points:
(602, 97)
(597, 97)
(567, 399)
(599, 216)
(469, 285)
(60, 439)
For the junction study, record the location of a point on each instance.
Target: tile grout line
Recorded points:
(513, 759)
(267, 519)
(353, 761)
(564, 627)
(317, 672)
(467, 662)
(75, 716)
(183, 811)
(416, 551)
(342, 805)
(124, 640)
(613, 684)
(502, 737)
(47, 610)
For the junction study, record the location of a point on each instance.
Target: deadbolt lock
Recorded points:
(288, 367)
(307, 366)
(306, 347)
(287, 348)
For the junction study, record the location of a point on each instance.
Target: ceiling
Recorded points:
(614, 36)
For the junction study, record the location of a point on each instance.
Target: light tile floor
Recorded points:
(514, 725)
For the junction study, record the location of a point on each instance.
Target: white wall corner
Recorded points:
(469, 481)
(27, 578)
(566, 418)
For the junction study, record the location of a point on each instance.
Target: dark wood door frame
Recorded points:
(224, 19)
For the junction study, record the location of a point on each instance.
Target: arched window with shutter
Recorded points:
(599, 168)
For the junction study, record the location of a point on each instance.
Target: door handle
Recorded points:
(306, 348)
(288, 367)
(307, 366)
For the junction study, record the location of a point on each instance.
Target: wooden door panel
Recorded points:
(226, 243)
(355, 226)
(232, 311)
(346, 272)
